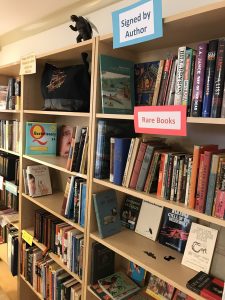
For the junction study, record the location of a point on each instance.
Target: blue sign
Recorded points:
(137, 23)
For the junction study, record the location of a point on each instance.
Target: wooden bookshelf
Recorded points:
(3, 252)
(10, 151)
(57, 113)
(31, 287)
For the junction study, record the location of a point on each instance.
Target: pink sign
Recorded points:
(165, 120)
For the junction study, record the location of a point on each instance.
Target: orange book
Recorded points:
(198, 150)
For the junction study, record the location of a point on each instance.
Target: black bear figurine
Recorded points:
(83, 27)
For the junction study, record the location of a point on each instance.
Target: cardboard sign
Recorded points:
(28, 64)
(28, 238)
(137, 23)
(165, 120)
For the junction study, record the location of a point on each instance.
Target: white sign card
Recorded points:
(28, 64)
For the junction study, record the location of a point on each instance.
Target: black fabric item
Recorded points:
(66, 88)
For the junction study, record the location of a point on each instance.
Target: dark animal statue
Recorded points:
(83, 27)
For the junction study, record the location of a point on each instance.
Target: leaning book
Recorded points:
(117, 88)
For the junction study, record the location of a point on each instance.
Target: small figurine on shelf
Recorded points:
(83, 27)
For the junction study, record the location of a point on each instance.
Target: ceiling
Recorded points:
(20, 19)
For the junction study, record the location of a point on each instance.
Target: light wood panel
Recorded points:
(10, 151)
(31, 287)
(3, 252)
(56, 113)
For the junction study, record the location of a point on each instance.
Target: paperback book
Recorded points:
(130, 212)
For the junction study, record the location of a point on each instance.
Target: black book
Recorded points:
(76, 167)
(14, 256)
(130, 212)
(198, 282)
(102, 263)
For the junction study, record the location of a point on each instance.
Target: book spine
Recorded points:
(158, 82)
(171, 88)
(128, 161)
(164, 175)
(144, 168)
(223, 104)
(11, 93)
(199, 201)
(175, 162)
(137, 165)
(169, 177)
(180, 75)
(84, 133)
(209, 78)
(111, 167)
(194, 174)
(189, 172)
(180, 177)
(191, 84)
(198, 82)
(218, 81)
(164, 82)
(161, 168)
(184, 179)
(148, 179)
(220, 204)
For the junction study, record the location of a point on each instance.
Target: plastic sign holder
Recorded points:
(164, 120)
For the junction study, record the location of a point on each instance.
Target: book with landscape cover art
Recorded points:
(117, 85)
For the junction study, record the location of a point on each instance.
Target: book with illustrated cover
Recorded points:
(159, 289)
(145, 75)
(175, 229)
(136, 273)
(65, 139)
(118, 286)
(117, 77)
(41, 138)
(100, 294)
(38, 178)
(178, 295)
(200, 247)
(130, 212)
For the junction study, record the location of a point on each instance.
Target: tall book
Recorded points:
(165, 81)
(158, 82)
(218, 81)
(117, 77)
(130, 212)
(65, 139)
(171, 87)
(180, 75)
(127, 161)
(209, 78)
(111, 166)
(198, 83)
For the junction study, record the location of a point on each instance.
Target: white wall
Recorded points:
(62, 35)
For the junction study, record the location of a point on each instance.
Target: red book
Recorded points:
(137, 165)
(213, 290)
(220, 204)
(165, 82)
(161, 169)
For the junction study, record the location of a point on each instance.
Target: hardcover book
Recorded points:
(65, 139)
(159, 289)
(130, 212)
(107, 213)
(145, 75)
(136, 273)
(213, 290)
(175, 229)
(3, 96)
(180, 75)
(149, 220)
(41, 138)
(200, 247)
(117, 77)
(38, 178)
(198, 282)
(178, 295)
(165, 81)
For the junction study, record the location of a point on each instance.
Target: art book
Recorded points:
(117, 77)
(41, 138)
(107, 213)
(145, 75)
(159, 289)
(149, 220)
(39, 183)
(175, 229)
(130, 212)
(200, 247)
(118, 286)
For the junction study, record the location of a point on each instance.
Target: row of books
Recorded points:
(74, 202)
(3, 234)
(46, 277)
(12, 250)
(10, 135)
(9, 199)
(60, 238)
(9, 167)
(10, 94)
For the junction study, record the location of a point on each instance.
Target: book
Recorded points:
(136, 273)
(145, 75)
(77, 160)
(149, 220)
(102, 262)
(178, 295)
(38, 179)
(171, 87)
(128, 161)
(198, 282)
(220, 204)
(180, 75)
(200, 247)
(41, 138)
(100, 294)
(111, 166)
(3, 96)
(83, 192)
(118, 286)
(117, 77)
(158, 82)
(107, 213)
(159, 289)
(165, 81)
(213, 290)
(175, 229)
(65, 139)
(130, 212)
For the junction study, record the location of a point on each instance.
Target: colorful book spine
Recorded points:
(209, 78)
(144, 168)
(171, 88)
(128, 161)
(220, 204)
(199, 201)
(160, 180)
(218, 81)
(158, 82)
(180, 75)
(198, 83)
(189, 172)
(165, 82)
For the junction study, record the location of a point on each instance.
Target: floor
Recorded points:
(8, 283)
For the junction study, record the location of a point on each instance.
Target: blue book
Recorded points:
(121, 149)
(107, 213)
(41, 138)
(83, 203)
(70, 200)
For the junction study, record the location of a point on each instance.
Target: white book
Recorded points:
(200, 247)
(180, 76)
(149, 220)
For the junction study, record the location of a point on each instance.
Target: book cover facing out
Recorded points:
(41, 138)
(117, 85)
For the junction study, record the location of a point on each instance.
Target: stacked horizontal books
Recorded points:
(60, 238)
(10, 135)
(47, 278)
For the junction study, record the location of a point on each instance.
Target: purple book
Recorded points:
(198, 83)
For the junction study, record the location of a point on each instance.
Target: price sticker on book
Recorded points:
(28, 238)
(165, 120)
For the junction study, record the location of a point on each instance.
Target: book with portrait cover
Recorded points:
(65, 138)
(38, 178)
(41, 138)
(175, 229)
(130, 212)
(117, 88)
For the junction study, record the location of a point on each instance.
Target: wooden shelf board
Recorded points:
(57, 113)
(11, 111)
(92, 292)
(31, 287)
(11, 69)
(131, 245)
(54, 162)
(3, 252)
(52, 255)
(10, 151)
(114, 116)
(53, 203)
(16, 224)
(160, 201)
